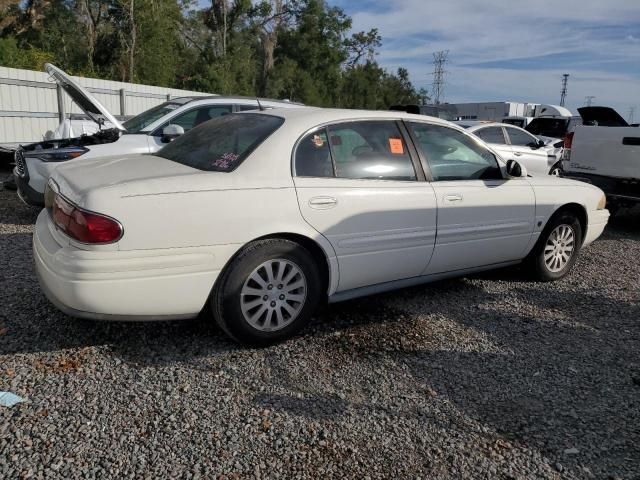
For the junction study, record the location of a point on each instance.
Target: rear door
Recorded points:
(358, 185)
(483, 218)
(525, 149)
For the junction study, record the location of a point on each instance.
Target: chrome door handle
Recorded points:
(453, 198)
(517, 154)
(321, 203)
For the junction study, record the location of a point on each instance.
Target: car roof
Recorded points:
(313, 116)
(193, 98)
(479, 126)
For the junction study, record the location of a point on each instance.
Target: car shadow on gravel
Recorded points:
(565, 380)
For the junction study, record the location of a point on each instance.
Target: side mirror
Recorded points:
(515, 170)
(537, 144)
(171, 132)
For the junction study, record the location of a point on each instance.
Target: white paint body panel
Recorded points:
(599, 151)
(482, 223)
(380, 230)
(182, 226)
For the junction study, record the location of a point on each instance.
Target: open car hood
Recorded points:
(87, 102)
(602, 116)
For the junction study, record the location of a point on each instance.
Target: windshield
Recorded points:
(146, 118)
(548, 127)
(220, 145)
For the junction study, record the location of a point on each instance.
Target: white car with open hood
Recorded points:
(144, 133)
(257, 217)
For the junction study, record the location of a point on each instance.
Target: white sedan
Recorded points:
(514, 142)
(259, 217)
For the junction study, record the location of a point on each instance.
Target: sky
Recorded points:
(513, 50)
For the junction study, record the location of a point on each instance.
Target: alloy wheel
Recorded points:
(273, 295)
(559, 248)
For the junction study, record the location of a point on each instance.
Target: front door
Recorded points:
(483, 218)
(357, 185)
(525, 151)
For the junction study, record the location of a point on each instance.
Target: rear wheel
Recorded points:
(557, 249)
(267, 293)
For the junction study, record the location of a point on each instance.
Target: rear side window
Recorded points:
(356, 150)
(491, 135)
(223, 143)
(313, 156)
(452, 155)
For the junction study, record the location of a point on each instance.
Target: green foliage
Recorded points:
(28, 58)
(296, 49)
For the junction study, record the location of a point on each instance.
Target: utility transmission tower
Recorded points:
(563, 94)
(632, 112)
(588, 100)
(437, 87)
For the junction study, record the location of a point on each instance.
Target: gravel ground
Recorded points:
(483, 377)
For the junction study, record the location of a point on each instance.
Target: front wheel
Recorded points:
(556, 170)
(267, 293)
(557, 249)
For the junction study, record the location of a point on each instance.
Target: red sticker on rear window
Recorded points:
(396, 146)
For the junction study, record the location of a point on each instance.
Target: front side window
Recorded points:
(452, 155)
(223, 143)
(146, 118)
(195, 117)
(520, 138)
(491, 135)
(243, 108)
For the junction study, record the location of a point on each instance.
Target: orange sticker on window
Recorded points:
(396, 146)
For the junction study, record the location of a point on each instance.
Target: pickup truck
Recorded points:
(604, 150)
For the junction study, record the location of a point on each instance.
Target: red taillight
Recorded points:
(84, 226)
(568, 140)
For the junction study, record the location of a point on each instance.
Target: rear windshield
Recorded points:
(548, 127)
(220, 145)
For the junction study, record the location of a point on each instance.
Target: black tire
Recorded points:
(226, 298)
(535, 262)
(556, 170)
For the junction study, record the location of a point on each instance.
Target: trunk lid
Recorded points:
(130, 175)
(601, 117)
(87, 102)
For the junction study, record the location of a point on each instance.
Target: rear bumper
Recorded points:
(27, 194)
(597, 222)
(625, 190)
(115, 285)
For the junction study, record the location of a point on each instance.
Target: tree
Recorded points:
(297, 49)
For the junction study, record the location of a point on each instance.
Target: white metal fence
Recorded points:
(31, 103)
